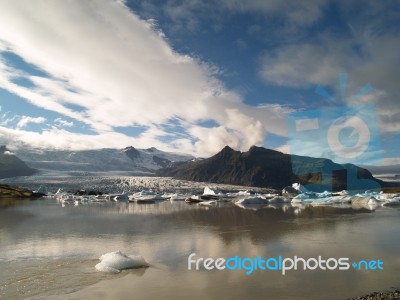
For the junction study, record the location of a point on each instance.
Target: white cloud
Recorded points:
(63, 123)
(6, 119)
(391, 161)
(59, 138)
(310, 64)
(305, 65)
(25, 120)
(285, 148)
(121, 71)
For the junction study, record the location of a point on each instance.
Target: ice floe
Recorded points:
(141, 190)
(252, 200)
(114, 262)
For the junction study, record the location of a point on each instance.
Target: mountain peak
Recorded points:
(227, 149)
(129, 148)
(132, 152)
(255, 148)
(226, 152)
(152, 149)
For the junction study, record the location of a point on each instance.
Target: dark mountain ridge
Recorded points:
(261, 167)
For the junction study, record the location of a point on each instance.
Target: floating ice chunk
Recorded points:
(306, 195)
(252, 203)
(368, 193)
(243, 193)
(120, 197)
(392, 202)
(364, 200)
(252, 200)
(208, 191)
(369, 203)
(325, 194)
(387, 197)
(299, 187)
(343, 193)
(290, 191)
(178, 197)
(116, 261)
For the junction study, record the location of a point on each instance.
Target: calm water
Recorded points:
(48, 251)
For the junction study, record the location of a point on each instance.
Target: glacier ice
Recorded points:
(114, 262)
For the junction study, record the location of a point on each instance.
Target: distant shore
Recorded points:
(7, 191)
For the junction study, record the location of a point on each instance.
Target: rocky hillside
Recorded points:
(268, 168)
(8, 191)
(12, 166)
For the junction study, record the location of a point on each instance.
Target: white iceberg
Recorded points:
(243, 193)
(392, 202)
(178, 197)
(299, 187)
(114, 262)
(369, 203)
(252, 200)
(209, 191)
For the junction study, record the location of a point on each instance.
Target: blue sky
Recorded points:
(193, 76)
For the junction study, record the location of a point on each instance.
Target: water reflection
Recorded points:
(166, 233)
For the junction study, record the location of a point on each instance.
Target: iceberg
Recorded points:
(114, 262)
(392, 202)
(252, 200)
(243, 193)
(178, 197)
(299, 187)
(209, 191)
(369, 203)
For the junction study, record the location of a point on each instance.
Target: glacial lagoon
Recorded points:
(49, 250)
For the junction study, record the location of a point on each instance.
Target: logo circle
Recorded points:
(359, 127)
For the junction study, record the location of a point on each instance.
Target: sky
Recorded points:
(193, 76)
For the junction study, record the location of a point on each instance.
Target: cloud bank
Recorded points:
(103, 66)
(368, 52)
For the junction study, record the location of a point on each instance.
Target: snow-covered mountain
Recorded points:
(130, 159)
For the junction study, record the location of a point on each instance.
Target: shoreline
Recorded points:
(386, 295)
